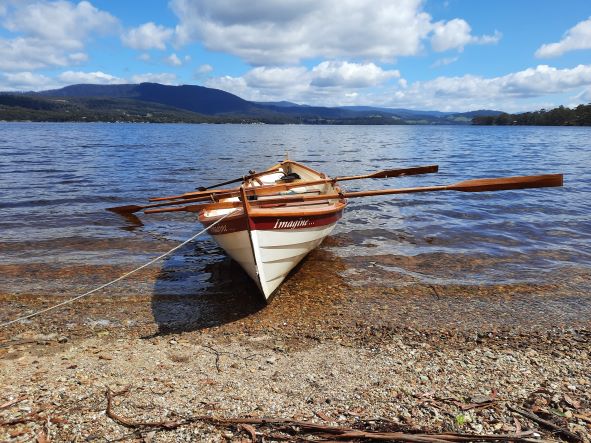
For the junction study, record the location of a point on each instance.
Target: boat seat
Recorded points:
(302, 205)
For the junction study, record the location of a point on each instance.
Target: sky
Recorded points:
(452, 55)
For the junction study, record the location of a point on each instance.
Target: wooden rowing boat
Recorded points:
(269, 240)
(277, 216)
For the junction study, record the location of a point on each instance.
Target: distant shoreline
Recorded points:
(229, 122)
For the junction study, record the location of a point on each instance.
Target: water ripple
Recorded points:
(56, 180)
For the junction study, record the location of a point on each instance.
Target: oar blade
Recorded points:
(406, 171)
(158, 210)
(508, 183)
(129, 209)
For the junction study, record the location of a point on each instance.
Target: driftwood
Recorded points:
(305, 428)
(568, 435)
(251, 431)
(33, 417)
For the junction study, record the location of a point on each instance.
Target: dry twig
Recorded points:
(12, 402)
(305, 429)
(568, 435)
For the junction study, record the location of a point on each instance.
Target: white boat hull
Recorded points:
(269, 256)
(268, 242)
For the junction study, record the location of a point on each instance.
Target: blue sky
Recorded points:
(448, 55)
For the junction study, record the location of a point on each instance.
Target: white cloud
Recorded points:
(584, 96)
(204, 69)
(276, 78)
(145, 57)
(455, 34)
(325, 84)
(270, 32)
(25, 81)
(78, 57)
(98, 77)
(50, 34)
(22, 53)
(508, 92)
(173, 60)
(545, 79)
(60, 22)
(147, 36)
(444, 61)
(234, 85)
(29, 81)
(352, 75)
(264, 84)
(577, 37)
(527, 89)
(165, 78)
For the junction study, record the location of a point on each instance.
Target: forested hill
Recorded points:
(152, 102)
(561, 116)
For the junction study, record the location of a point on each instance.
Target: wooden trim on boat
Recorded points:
(290, 212)
(261, 219)
(309, 169)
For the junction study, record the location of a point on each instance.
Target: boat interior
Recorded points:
(282, 181)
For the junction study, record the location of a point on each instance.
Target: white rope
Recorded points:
(119, 278)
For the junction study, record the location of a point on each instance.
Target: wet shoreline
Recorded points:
(325, 293)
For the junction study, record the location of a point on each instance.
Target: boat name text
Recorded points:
(291, 224)
(219, 229)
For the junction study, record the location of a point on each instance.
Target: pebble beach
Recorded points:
(440, 359)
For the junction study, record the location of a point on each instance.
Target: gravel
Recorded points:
(408, 379)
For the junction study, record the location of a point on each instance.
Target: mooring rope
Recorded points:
(51, 308)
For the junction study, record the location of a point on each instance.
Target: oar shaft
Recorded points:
(298, 199)
(478, 185)
(388, 173)
(244, 178)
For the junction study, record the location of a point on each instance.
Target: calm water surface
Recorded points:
(57, 179)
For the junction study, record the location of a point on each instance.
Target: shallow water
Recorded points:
(57, 179)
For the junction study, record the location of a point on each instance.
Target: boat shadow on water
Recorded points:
(189, 296)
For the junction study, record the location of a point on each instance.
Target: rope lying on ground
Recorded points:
(51, 308)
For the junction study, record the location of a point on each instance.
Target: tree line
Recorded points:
(561, 116)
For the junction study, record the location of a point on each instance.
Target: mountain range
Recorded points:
(153, 102)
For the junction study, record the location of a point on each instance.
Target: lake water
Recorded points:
(57, 179)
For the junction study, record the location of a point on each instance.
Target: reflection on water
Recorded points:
(57, 180)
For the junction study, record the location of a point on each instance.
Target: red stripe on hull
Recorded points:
(269, 223)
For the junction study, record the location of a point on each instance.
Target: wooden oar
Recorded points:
(265, 189)
(241, 179)
(206, 195)
(387, 173)
(130, 209)
(477, 185)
